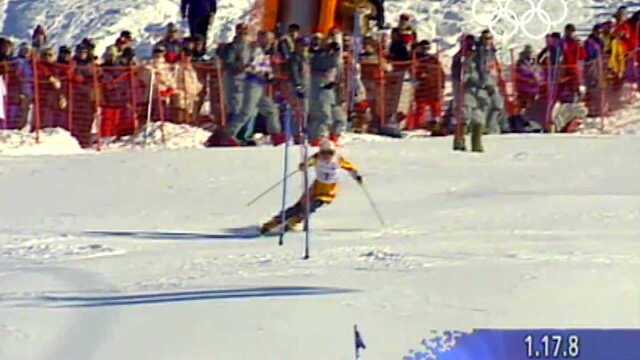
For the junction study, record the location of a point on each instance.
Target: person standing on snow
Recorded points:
(235, 57)
(200, 14)
(472, 99)
(324, 64)
(327, 162)
(256, 99)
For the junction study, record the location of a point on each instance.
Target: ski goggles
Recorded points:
(327, 152)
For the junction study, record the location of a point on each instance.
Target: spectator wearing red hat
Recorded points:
(572, 53)
(407, 31)
(429, 93)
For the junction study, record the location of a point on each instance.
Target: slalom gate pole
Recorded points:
(373, 204)
(307, 197)
(287, 132)
(149, 107)
(307, 200)
(356, 49)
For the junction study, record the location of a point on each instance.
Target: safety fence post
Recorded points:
(36, 98)
(133, 104)
(382, 98)
(221, 94)
(5, 72)
(97, 113)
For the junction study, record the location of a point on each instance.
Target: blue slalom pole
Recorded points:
(287, 132)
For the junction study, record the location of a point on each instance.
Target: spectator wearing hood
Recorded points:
(65, 57)
(82, 56)
(7, 49)
(528, 79)
(39, 38)
(200, 15)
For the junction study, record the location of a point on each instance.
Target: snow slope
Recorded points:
(144, 255)
(68, 21)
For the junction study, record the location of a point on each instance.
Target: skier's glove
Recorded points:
(357, 177)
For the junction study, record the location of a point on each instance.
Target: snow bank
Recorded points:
(52, 142)
(68, 21)
(164, 136)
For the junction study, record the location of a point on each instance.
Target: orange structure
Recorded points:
(311, 15)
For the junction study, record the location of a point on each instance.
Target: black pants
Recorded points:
(379, 4)
(199, 25)
(297, 209)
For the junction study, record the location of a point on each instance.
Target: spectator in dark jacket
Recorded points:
(65, 57)
(39, 38)
(200, 14)
(6, 50)
(379, 4)
(399, 50)
(172, 42)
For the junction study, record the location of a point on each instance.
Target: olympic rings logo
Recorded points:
(502, 20)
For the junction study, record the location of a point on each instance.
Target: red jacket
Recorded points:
(572, 51)
(624, 32)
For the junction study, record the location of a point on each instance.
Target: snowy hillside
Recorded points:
(68, 21)
(144, 255)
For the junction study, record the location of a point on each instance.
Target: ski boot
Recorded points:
(294, 224)
(459, 141)
(269, 226)
(476, 137)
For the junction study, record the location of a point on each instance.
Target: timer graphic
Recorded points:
(552, 346)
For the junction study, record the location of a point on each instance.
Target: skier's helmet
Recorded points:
(327, 146)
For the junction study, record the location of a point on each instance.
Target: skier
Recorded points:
(323, 190)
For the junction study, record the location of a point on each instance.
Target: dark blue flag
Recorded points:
(359, 342)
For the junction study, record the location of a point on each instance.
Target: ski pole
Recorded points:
(373, 204)
(262, 194)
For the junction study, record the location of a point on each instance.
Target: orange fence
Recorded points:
(97, 102)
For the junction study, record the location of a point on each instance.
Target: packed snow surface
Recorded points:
(149, 254)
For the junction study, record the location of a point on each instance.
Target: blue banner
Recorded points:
(487, 344)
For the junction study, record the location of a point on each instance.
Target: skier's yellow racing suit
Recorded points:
(325, 186)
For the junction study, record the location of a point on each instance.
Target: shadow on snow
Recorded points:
(63, 301)
(251, 232)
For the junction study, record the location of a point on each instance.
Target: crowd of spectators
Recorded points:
(333, 81)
